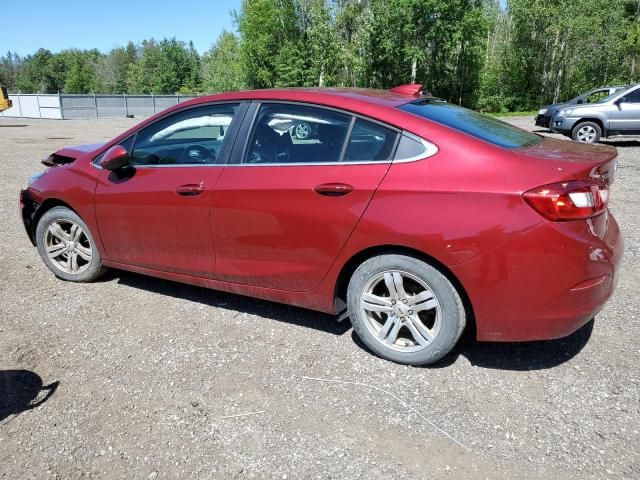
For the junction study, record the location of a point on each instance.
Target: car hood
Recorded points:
(69, 154)
(557, 106)
(77, 150)
(584, 106)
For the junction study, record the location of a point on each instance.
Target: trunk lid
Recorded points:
(583, 161)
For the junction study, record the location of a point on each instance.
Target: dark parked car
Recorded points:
(415, 216)
(545, 114)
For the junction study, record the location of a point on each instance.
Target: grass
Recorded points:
(532, 113)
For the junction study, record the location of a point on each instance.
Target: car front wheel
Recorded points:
(404, 309)
(67, 246)
(586, 132)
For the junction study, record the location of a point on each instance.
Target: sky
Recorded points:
(104, 25)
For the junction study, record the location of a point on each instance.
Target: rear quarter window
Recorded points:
(472, 123)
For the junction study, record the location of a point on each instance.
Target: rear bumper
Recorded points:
(547, 282)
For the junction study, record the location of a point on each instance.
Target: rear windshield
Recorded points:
(473, 123)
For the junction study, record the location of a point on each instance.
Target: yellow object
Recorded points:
(5, 103)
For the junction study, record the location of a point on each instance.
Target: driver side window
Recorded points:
(190, 137)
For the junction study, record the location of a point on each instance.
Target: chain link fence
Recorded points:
(65, 107)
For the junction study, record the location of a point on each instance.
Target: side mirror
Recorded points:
(621, 100)
(115, 158)
(580, 101)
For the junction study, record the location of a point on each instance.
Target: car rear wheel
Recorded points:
(586, 132)
(67, 246)
(405, 310)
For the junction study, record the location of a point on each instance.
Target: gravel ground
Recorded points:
(152, 376)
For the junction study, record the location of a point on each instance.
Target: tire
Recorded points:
(64, 234)
(422, 301)
(302, 130)
(586, 132)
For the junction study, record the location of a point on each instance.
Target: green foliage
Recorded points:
(265, 26)
(41, 72)
(541, 51)
(10, 66)
(222, 68)
(111, 70)
(488, 54)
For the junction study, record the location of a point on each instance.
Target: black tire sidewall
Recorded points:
(62, 213)
(574, 132)
(452, 309)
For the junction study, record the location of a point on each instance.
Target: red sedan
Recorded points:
(415, 216)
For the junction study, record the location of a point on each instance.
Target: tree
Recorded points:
(10, 66)
(174, 68)
(353, 21)
(41, 72)
(80, 74)
(265, 27)
(495, 55)
(140, 75)
(322, 43)
(111, 69)
(222, 68)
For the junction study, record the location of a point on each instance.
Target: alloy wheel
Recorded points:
(401, 311)
(303, 130)
(586, 134)
(68, 246)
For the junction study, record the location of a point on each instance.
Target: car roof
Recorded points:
(367, 101)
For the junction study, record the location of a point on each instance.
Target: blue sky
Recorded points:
(104, 25)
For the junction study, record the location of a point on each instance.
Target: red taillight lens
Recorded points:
(571, 200)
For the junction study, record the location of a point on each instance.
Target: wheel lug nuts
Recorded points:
(393, 302)
(410, 312)
(404, 301)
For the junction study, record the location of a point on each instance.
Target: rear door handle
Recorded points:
(190, 189)
(333, 189)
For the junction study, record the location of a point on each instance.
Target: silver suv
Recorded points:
(614, 115)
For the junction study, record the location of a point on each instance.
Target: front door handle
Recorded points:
(190, 189)
(333, 189)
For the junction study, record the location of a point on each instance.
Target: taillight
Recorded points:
(570, 200)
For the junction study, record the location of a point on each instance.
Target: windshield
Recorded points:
(472, 123)
(614, 94)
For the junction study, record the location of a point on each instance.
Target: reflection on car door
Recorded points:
(156, 214)
(283, 212)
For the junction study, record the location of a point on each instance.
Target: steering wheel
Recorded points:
(197, 154)
(261, 155)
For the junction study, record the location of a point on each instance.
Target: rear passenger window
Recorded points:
(370, 142)
(288, 133)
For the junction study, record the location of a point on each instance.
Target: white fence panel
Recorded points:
(34, 106)
(50, 106)
(13, 111)
(88, 106)
(29, 106)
